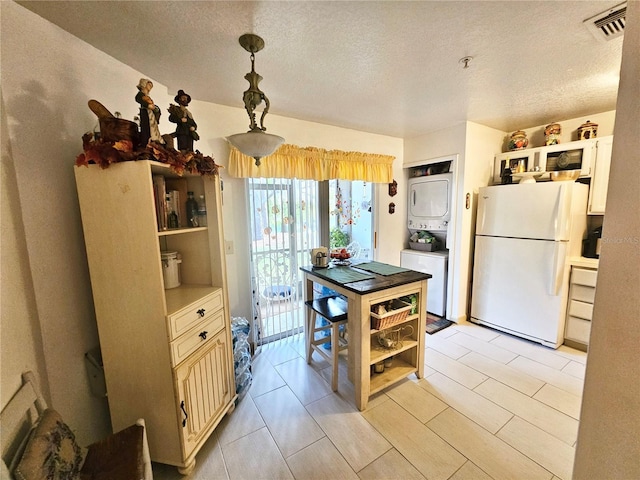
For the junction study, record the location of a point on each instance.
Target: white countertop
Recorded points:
(583, 262)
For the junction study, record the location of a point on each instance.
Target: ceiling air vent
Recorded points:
(608, 24)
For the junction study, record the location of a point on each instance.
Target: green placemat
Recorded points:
(342, 274)
(381, 268)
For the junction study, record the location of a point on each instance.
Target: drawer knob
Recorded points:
(201, 312)
(203, 335)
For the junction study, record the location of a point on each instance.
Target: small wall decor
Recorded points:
(392, 208)
(393, 188)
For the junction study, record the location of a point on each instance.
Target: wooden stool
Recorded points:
(334, 310)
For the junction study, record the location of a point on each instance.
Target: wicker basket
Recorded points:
(115, 129)
(398, 313)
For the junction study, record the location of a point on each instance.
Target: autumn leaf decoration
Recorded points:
(104, 153)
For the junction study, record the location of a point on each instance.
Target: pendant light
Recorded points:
(256, 142)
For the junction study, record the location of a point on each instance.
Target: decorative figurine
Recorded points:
(587, 130)
(185, 125)
(393, 188)
(552, 134)
(518, 140)
(149, 114)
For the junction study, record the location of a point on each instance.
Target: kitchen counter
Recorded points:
(583, 262)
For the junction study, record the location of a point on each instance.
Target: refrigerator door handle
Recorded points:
(562, 213)
(557, 269)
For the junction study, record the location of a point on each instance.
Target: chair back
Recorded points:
(16, 420)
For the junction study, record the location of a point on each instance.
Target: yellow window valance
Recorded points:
(310, 163)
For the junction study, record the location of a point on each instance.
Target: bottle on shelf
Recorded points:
(202, 212)
(173, 216)
(192, 210)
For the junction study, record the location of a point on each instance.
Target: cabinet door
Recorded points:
(600, 177)
(204, 390)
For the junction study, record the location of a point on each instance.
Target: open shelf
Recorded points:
(406, 357)
(178, 231)
(398, 371)
(379, 353)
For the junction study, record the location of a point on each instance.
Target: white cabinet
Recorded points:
(518, 160)
(582, 291)
(600, 177)
(580, 155)
(167, 353)
(434, 263)
(568, 156)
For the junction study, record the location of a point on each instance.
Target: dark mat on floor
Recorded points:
(438, 325)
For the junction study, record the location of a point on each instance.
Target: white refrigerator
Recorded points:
(524, 235)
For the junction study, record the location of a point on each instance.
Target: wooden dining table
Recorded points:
(366, 284)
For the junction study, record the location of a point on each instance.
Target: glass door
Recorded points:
(290, 217)
(284, 228)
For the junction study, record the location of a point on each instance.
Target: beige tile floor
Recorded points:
(491, 406)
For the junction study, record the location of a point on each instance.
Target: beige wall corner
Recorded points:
(608, 440)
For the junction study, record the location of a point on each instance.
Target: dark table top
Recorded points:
(363, 281)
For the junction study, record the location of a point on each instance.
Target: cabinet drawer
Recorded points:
(193, 339)
(583, 293)
(578, 329)
(583, 276)
(186, 318)
(580, 309)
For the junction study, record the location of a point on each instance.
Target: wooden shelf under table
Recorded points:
(399, 370)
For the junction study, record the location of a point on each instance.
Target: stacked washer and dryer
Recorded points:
(429, 209)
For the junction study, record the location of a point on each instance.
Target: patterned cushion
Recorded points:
(51, 452)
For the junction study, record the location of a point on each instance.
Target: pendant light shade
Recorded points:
(255, 143)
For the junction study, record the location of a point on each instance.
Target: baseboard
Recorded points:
(576, 345)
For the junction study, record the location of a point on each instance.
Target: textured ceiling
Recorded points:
(385, 67)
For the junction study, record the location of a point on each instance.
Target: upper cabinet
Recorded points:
(577, 155)
(600, 176)
(592, 157)
(519, 161)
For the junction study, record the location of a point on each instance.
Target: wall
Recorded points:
(21, 345)
(474, 145)
(445, 143)
(608, 441)
(48, 321)
(45, 105)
